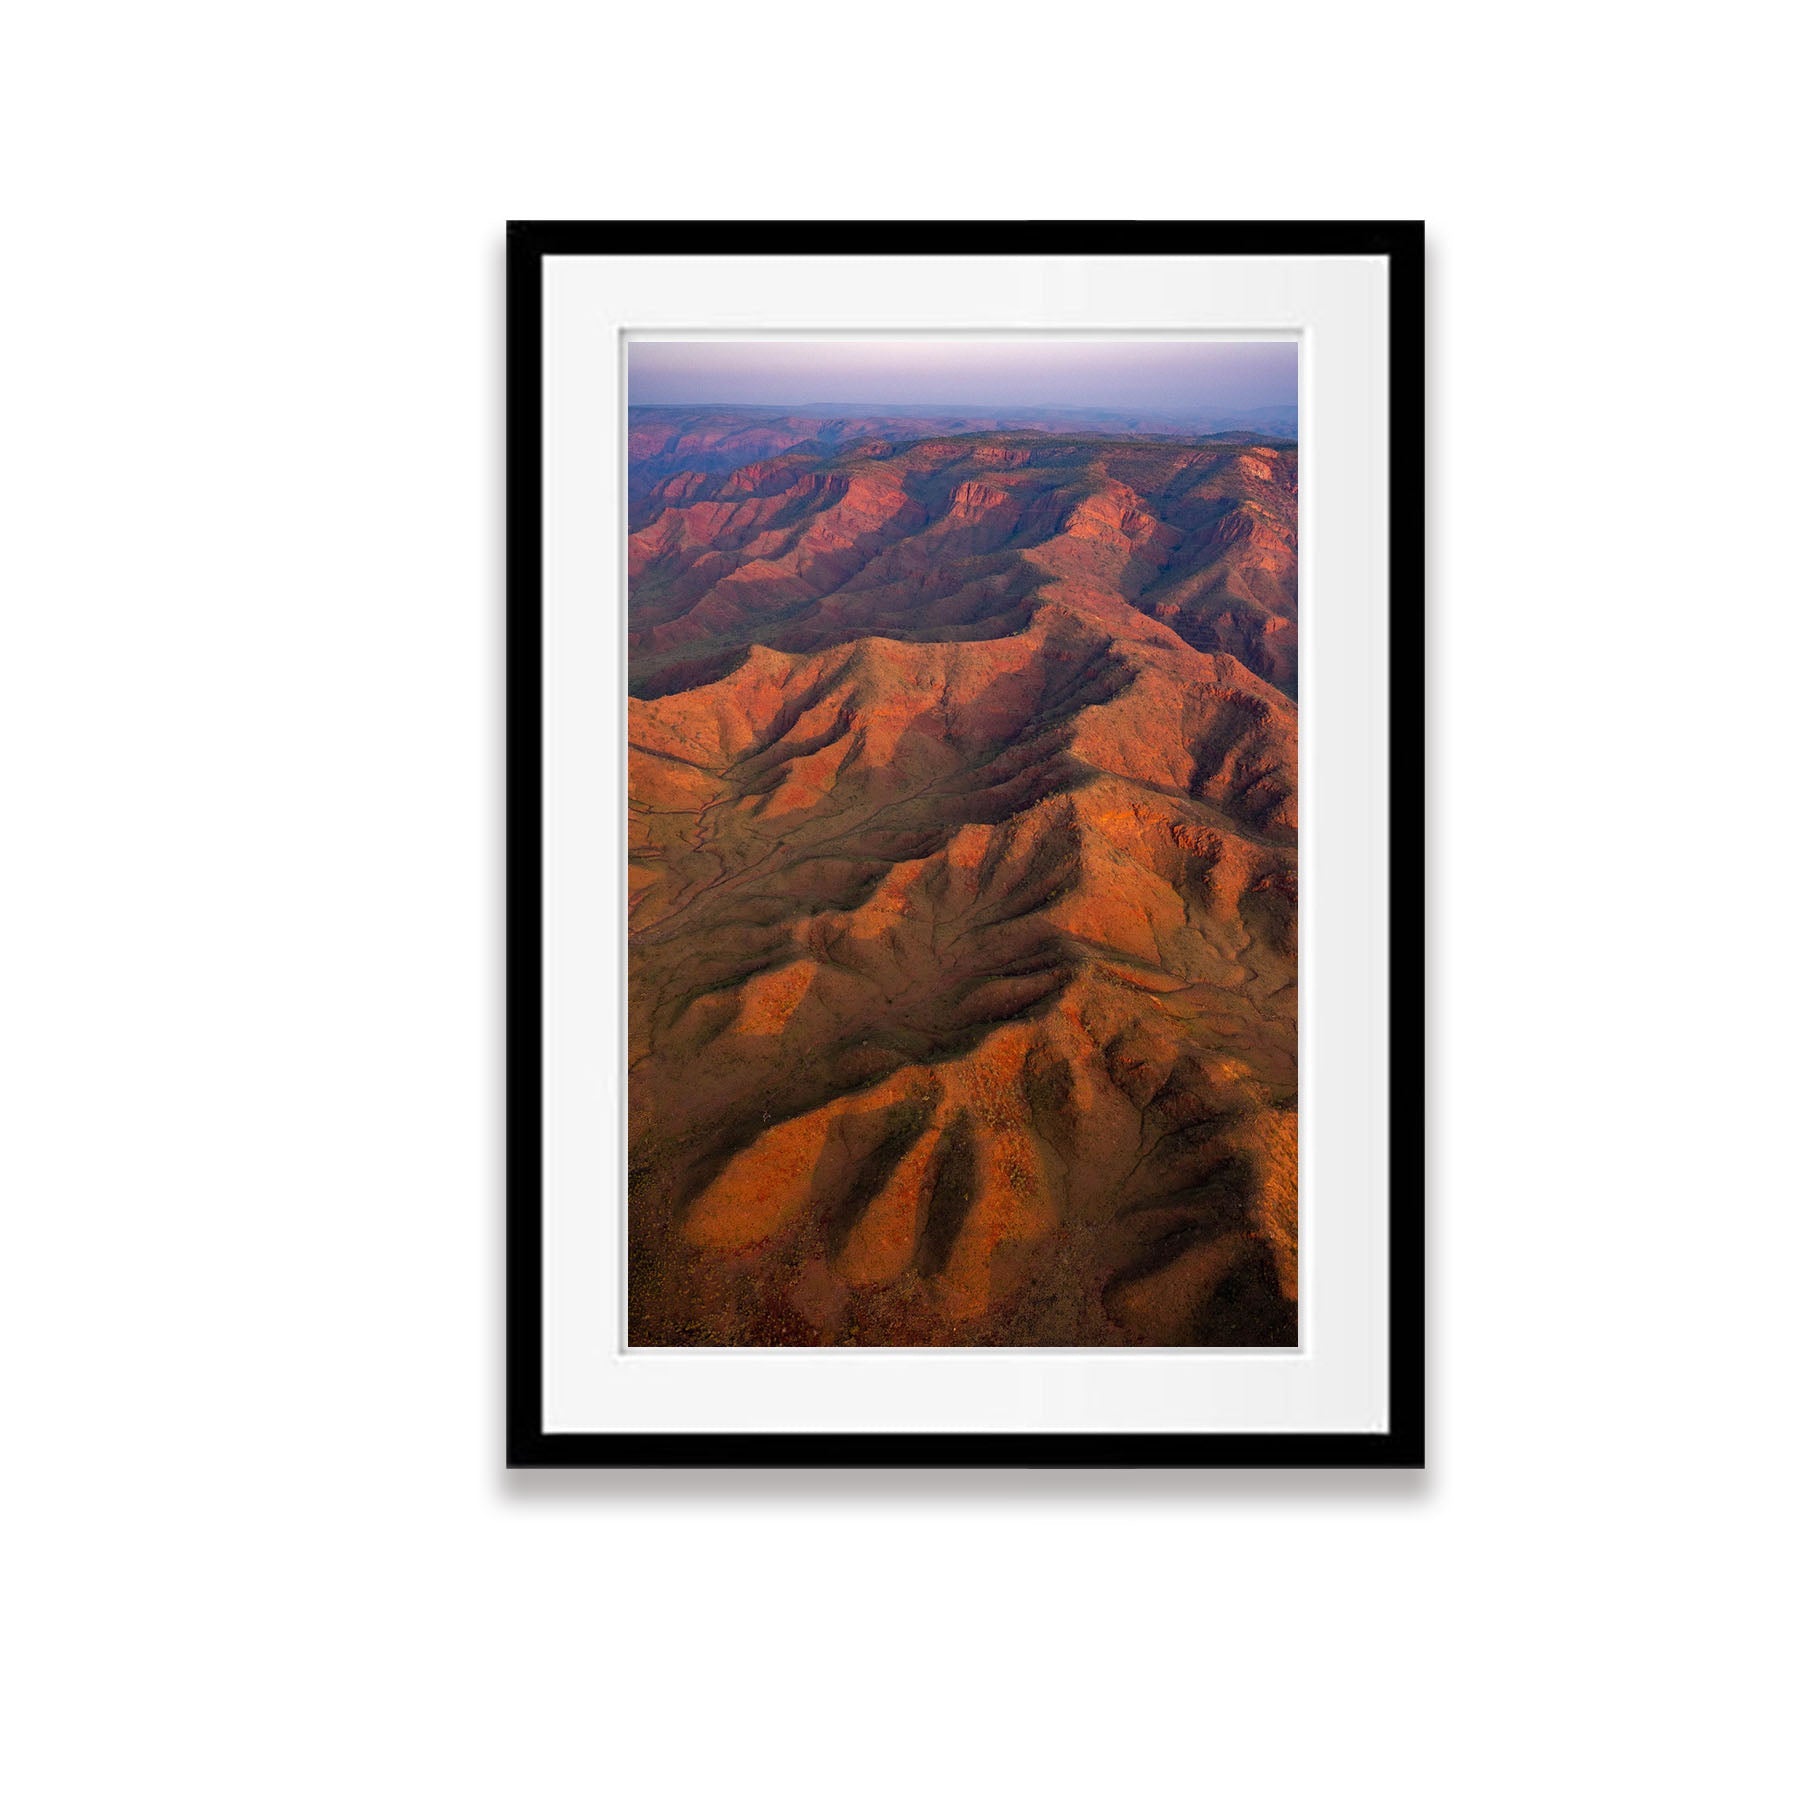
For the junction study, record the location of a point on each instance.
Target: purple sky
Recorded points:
(1019, 371)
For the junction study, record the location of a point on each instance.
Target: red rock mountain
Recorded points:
(963, 904)
(669, 440)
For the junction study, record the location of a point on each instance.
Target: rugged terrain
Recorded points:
(963, 889)
(668, 440)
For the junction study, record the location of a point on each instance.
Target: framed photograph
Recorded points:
(965, 844)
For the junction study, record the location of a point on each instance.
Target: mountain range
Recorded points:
(666, 440)
(963, 881)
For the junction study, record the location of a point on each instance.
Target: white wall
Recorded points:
(257, 1541)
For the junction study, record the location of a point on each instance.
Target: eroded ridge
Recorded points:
(963, 896)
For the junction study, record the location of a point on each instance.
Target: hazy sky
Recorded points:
(1018, 371)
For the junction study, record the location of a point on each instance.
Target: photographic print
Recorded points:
(965, 844)
(963, 986)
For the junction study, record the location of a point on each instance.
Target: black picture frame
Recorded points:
(528, 1445)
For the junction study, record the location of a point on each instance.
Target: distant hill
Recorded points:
(667, 439)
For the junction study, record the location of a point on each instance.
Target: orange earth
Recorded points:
(963, 888)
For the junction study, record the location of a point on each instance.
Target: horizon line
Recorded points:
(978, 406)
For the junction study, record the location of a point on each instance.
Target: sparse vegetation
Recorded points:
(962, 955)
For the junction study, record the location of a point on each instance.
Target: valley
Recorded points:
(963, 885)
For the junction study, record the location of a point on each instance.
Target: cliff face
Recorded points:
(963, 903)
